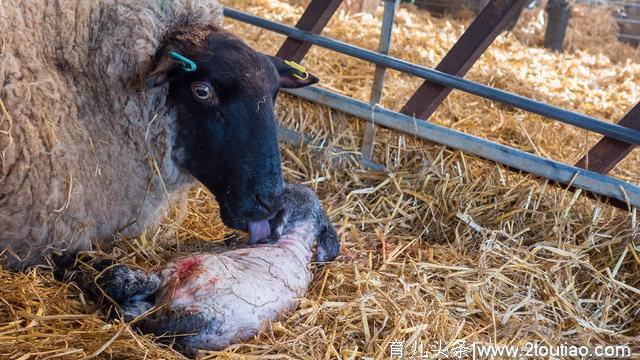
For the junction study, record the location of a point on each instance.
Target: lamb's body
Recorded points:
(84, 150)
(234, 293)
(208, 300)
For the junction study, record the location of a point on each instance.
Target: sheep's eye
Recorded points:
(202, 91)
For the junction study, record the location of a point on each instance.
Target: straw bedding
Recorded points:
(443, 247)
(590, 28)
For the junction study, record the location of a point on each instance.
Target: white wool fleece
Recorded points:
(81, 138)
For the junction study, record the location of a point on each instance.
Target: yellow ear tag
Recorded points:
(298, 67)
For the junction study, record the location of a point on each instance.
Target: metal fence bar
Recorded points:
(583, 121)
(627, 36)
(607, 153)
(627, 21)
(369, 135)
(623, 4)
(609, 3)
(514, 158)
(463, 54)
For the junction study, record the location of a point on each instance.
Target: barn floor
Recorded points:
(443, 249)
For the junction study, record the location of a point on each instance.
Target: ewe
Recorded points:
(88, 151)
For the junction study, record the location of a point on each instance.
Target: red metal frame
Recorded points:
(607, 153)
(465, 52)
(314, 19)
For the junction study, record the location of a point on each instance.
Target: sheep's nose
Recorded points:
(270, 201)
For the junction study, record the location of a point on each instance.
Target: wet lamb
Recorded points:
(209, 301)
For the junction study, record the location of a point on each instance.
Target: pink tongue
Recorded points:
(259, 230)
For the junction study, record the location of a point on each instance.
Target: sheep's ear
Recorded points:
(160, 73)
(292, 75)
(328, 246)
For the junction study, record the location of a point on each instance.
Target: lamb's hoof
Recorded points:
(123, 283)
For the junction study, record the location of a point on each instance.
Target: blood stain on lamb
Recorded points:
(189, 267)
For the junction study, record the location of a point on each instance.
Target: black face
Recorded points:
(227, 130)
(301, 204)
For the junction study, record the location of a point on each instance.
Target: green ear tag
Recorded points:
(187, 64)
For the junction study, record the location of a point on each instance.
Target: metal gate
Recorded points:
(626, 15)
(589, 173)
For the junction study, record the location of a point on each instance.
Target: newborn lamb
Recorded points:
(209, 301)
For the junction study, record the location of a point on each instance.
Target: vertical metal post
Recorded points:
(378, 83)
(558, 13)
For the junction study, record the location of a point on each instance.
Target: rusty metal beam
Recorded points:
(314, 19)
(608, 152)
(464, 53)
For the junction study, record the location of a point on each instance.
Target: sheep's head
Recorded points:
(226, 126)
(301, 204)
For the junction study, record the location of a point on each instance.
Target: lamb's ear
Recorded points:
(160, 74)
(292, 75)
(328, 246)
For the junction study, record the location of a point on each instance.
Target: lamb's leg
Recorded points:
(82, 270)
(178, 328)
(106, 282)
(130, 288)
(123, 283)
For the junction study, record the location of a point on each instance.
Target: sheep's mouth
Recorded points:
(260, 231)
(266, 231)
